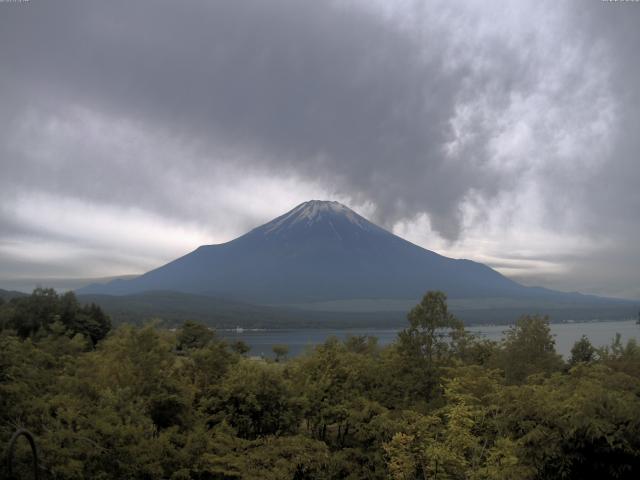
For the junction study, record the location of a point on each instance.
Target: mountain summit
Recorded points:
(317, 211)
(318, 221)
(321, 251)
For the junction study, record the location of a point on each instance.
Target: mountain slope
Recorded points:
(322, 251)
(9, 294)
(173, 308)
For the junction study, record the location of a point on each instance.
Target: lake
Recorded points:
(298, 340)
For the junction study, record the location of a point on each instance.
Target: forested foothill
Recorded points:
(439, 403)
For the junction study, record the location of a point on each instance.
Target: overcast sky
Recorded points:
(507, 132)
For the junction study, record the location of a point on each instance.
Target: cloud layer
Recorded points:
(132, 132)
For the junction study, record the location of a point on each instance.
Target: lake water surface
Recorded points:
(298, 340)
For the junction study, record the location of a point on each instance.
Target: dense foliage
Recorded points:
(147, 403)
(46, 312)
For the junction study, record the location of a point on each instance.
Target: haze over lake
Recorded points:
(298, 340)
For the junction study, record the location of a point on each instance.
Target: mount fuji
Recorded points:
(323, 251)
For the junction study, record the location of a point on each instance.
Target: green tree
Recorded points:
(204, 367)
(363, 344)
(92, 322)
(139, 361)
(582, 351)
(424, 348)
(430, 324)
(135, 407)
(280, 351)
(294, 457)
(34, 315)
(240, 347)
(35, 312)
(194, 335)
(622, 357)
(569, 424)
(257, 401)
(528, 348)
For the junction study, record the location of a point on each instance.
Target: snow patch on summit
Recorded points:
(315, 211)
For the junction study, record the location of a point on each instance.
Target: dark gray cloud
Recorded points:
(486, 119)
(322, 89)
